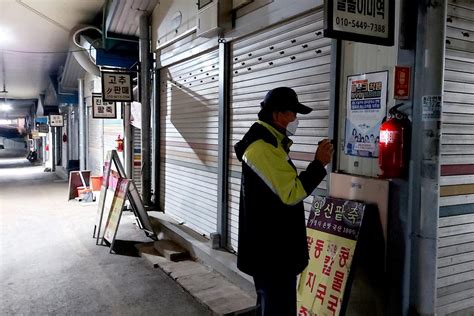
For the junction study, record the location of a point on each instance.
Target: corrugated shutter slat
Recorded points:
(456, 229)
(189, 130)
(294, 54)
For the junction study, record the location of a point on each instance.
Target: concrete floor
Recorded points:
(50, 265)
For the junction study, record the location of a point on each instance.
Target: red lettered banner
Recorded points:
(332, 230)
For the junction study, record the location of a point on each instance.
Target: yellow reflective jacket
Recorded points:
(272, 230)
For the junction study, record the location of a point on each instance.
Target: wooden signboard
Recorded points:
(115, 213)
(105, 206)
(78, 179)
(332, 232)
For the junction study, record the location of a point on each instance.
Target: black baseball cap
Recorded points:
(283, 99)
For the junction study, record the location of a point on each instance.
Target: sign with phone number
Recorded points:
(368, 21)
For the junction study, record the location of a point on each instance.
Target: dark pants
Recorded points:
(276, 295)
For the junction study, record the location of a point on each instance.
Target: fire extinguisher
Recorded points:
(394, 144)
(119, 144)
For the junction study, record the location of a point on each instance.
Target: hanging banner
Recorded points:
(332, 232)
(366, 107)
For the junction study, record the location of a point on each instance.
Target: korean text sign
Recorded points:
(117, 87)
(366, 103)
(368, 21)
(56, 120)
(332, 231)
(103, 110)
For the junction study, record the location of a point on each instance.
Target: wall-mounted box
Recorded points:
(214, 17)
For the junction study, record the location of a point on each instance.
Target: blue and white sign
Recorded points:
(366, 108)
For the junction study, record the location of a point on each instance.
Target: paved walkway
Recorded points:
(50, 265)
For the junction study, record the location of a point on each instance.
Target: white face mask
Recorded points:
(291, 128)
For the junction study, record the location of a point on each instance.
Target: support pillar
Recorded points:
(82, 127)
(146, 111)
(425, 171)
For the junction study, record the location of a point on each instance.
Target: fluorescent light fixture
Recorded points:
(5, 107)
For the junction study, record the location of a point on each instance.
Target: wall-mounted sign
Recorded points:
(332, 232)
(103, 110)
(366, 102)
(117, 86)
(401, 89)
(41, 120)
(431, 108)
(56, 121)
(367, 21)
(35, 134)
(43, 129)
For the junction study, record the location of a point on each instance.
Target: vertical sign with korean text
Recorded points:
(401, 89)
(103, 110)
(367, 21)
(117, 87)
(332, 232)
(431, 108)
(366, 104)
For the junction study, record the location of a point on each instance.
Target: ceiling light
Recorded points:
(5, 107)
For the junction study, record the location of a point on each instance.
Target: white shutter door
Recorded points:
(96, 153)
(189, 124)
(295, 55)
(456, 226)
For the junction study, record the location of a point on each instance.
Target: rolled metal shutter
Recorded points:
(137, 157)
(189, 124)
(294, 54)
(456, 226)
(95, 160)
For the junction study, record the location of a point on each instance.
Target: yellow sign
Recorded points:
(332, 231)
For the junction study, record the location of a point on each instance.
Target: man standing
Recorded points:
(272, 231)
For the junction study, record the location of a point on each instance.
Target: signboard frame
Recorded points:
(105, 85)
(53, 118)
(401, 90)
(115, 214)
(43, 128)
(102, 200)
(329, 30)
(331, 264)
(373, 118)
(95, 111)
(132, 195)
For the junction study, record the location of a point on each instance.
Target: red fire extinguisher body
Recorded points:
(393, 148)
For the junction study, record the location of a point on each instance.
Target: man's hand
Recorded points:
(324, 152)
